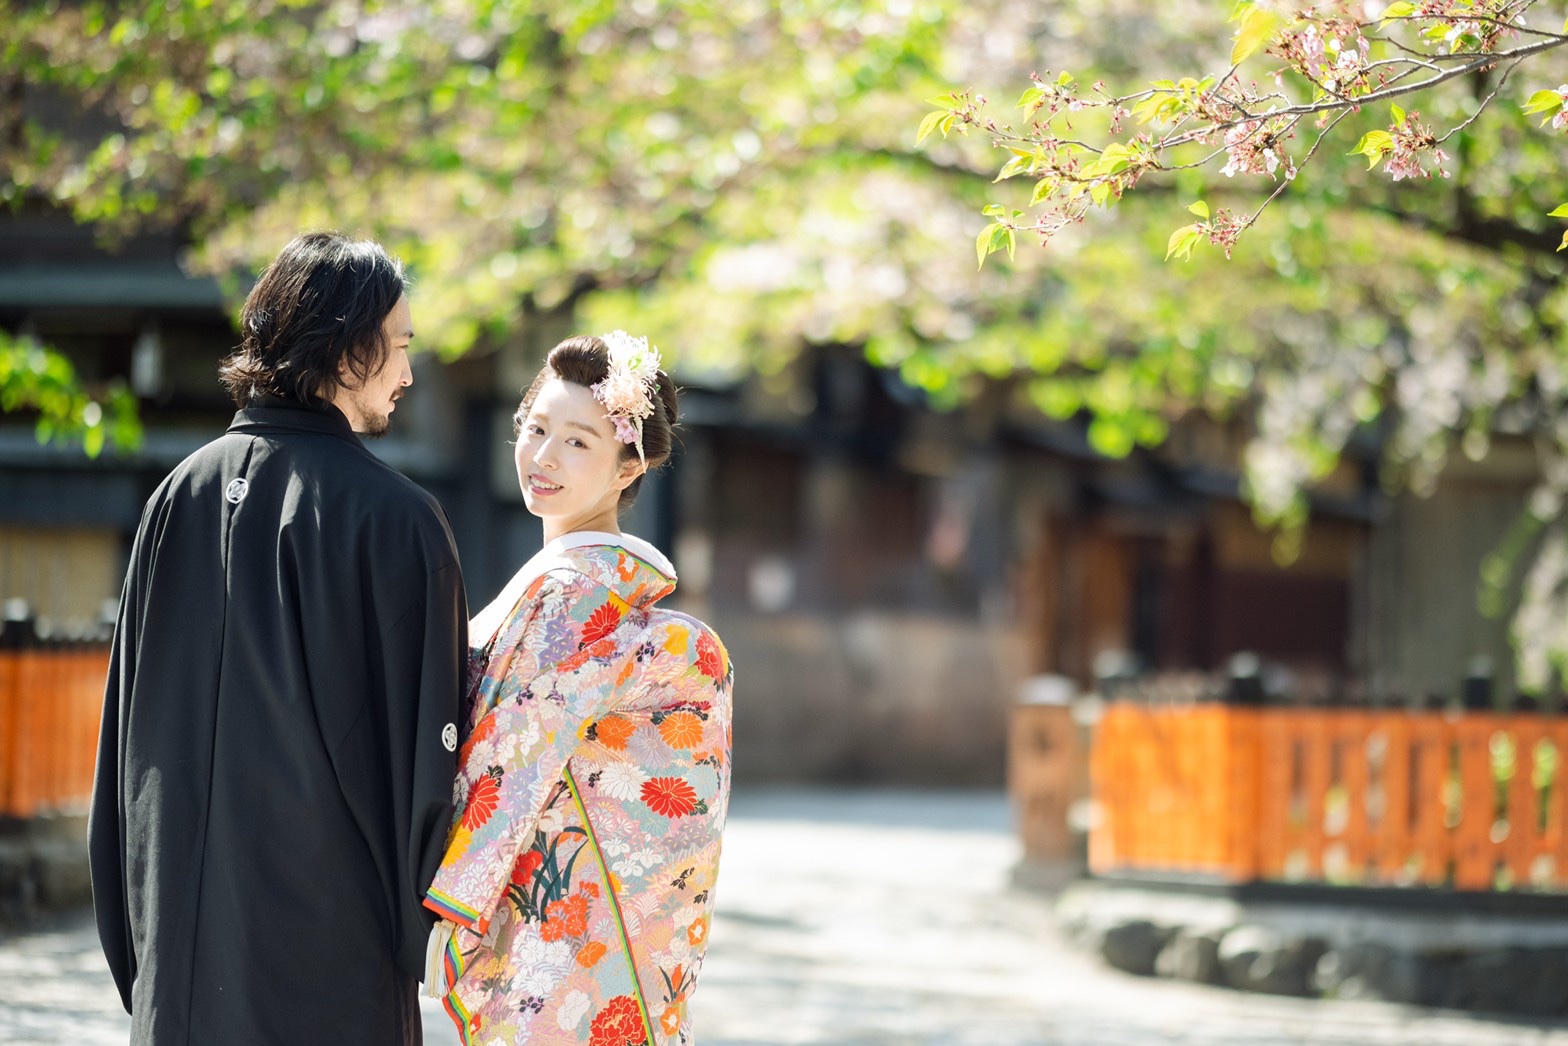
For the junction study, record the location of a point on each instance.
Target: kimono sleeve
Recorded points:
(563, 672)
(397, 776)
(106, 818)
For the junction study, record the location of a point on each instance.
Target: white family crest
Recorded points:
(236, 491)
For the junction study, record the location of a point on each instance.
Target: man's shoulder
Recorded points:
(336, 474)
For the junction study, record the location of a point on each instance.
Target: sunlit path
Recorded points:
(860, 919)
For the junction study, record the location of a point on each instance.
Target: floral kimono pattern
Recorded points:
(592, 789)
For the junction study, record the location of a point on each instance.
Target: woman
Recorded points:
(577, 887)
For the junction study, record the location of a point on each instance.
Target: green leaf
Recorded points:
(1564, 243)
(1543, 101)
(92, 441)
(1399, 10)
(1182, 241)
(994, 210)
(1548, 102)
(1257, 28)
(1042, 189)
(1112, 437)
(1017, 165)
(1374, 145)
(930, 123)
(1398, 113)
(1200, 208)
(1064, 79)
(987, 242)
(1560, 211)
(1033, 98)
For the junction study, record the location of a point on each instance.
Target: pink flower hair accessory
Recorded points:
(627, 391)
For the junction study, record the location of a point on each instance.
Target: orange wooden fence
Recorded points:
(1472, 801)
(50, 700)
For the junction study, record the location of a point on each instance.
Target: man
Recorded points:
(276, 759)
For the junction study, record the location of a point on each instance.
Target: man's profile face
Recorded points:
(369, 406)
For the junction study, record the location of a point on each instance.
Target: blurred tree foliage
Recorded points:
(738, 178)
(1386, 179)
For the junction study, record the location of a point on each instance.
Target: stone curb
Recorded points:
(1496, 964)
(43, 868)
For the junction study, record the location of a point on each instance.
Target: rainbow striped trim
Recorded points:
(615, 904)
(460, 1017)
(453, 960)
(454, 911)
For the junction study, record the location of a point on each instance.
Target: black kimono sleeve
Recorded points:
(106, 818)
(400, 758)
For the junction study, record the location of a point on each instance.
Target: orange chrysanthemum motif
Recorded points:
(709, 662)
(669, 796)
(591, 953)
(603, 648)
(613, 732)
(600, 624)
(570, 914)
(483, 798)
(618, 1024)
(697, 932)
(681, 730)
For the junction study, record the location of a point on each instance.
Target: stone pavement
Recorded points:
(862, 919)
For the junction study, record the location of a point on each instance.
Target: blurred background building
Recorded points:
(887, 575)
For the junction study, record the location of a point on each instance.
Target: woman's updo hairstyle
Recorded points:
(585, 360)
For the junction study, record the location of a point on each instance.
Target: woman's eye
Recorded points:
(576, 442)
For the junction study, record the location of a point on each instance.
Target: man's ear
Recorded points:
(346, 378)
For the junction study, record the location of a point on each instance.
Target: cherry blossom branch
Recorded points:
(1331, 54)
(1502, 80)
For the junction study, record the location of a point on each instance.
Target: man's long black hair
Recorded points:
(320, 304)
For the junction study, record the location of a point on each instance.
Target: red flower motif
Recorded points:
(669, 796)
(618, 1024)
(600, 624)
(523, 871)
(483, 798)
(709, 663)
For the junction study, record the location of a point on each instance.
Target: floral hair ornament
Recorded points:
(627, 391)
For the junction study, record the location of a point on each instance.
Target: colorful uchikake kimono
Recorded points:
(591, 791)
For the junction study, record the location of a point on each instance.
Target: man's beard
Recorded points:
(374, 426)
(370, 423)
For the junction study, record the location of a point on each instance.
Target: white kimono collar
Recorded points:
(484, 625)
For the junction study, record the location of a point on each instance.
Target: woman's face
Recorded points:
(569, 461)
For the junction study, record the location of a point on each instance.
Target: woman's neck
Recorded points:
(598, 525)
